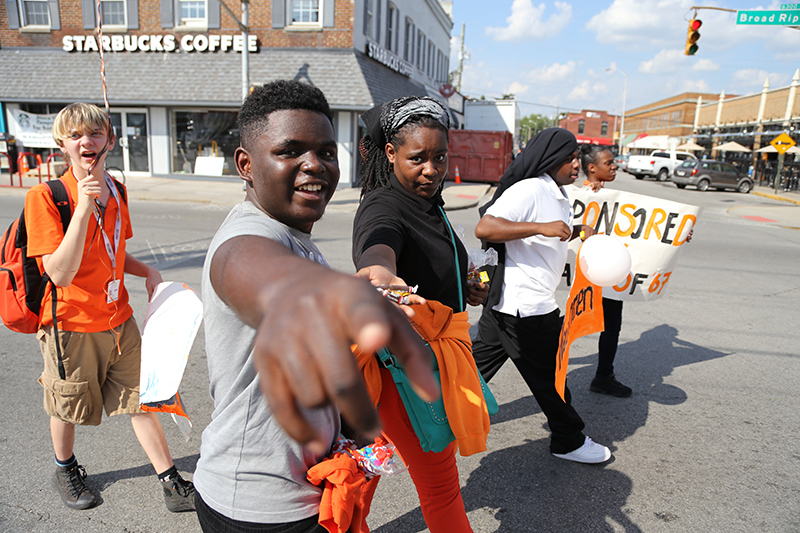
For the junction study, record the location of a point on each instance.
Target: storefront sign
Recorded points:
(159, 43)
(653, 229)
(385, 57)
(33, 131)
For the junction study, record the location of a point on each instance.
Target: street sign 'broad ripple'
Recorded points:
(775, 18)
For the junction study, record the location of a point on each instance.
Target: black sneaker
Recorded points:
(610, 385)
(69, 481)
(178, 494)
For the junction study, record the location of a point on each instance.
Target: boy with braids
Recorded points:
(92, 358)
(279, 325)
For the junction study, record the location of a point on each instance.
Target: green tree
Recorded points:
(533, 124)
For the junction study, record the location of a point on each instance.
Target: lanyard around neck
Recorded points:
(111, 251)
(458, 266)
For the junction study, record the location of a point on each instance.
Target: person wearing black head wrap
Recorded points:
(543, 152)
(530, 219)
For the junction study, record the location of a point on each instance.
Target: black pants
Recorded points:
(609, 338)
(532, 344)
(213, 522)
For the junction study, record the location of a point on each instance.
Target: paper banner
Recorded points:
(173, 319)
(33, 131)
(583, 316)
(654, 230)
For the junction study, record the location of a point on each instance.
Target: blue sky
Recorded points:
(555, 53)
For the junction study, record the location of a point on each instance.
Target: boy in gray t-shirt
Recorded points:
(279, 325)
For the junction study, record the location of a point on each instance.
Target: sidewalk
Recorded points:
(228, 191)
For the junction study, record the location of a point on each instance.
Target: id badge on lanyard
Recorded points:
(112, 290)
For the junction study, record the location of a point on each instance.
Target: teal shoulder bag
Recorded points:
(429, 419)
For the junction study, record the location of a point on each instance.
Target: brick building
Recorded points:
(658, 121)
(590, 126)
(174, 68)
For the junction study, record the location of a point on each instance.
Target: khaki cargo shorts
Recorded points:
(101, 371)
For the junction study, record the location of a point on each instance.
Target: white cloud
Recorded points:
(666, 61)
(641, 23)
(698, 86)
(552, 73)
(705, 65)
(527, 22)
(517, 88)
(751, 80)
(587, 91)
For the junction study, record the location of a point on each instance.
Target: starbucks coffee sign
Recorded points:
(159, 43)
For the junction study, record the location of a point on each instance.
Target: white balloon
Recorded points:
(604, 260)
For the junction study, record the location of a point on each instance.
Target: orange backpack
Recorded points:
(22, 286)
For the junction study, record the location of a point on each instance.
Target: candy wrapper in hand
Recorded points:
(478, 259)
(379, 459)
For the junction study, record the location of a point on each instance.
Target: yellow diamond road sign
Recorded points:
(782, 143)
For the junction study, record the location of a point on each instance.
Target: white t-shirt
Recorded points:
(534, 264)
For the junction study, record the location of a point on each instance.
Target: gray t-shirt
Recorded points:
(249, 469)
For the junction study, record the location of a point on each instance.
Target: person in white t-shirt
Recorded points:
(529, 222)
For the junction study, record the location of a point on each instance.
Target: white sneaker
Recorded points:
(590, 452)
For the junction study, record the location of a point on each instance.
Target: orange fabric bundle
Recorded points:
(448, 336)
(341, 495)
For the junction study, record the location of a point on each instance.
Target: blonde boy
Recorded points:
(91, 361)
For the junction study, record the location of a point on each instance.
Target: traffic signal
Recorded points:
(692, 37)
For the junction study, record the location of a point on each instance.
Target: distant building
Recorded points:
(174, 68)
(591, 126)
(651, 126)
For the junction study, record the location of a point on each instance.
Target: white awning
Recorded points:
(651, 142)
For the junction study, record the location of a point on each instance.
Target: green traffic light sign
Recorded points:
(768, 18)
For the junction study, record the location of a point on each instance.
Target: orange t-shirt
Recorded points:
(82, 306)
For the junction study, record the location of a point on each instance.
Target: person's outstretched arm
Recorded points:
(307, 317)
(498, 229)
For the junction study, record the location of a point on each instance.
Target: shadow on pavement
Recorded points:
(102, 480)
(524, 488)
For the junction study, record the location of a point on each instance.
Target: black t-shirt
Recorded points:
(416, 230)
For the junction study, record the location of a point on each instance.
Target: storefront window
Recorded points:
(204, 142)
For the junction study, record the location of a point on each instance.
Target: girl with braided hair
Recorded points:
(402, 237)
(597, 164)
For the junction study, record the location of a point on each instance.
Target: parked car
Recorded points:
(622, 161)
(708, 174)
(659, 164)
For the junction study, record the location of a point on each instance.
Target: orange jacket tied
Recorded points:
(448, 335)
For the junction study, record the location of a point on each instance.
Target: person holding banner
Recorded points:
(92, 346)
(597, 164)
(529, 221)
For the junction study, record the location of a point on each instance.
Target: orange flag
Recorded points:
(583, 316)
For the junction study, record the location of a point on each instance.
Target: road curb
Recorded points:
(777, 197)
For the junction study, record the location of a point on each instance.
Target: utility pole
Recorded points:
(461, 58)
(243, 25)
(245, 48)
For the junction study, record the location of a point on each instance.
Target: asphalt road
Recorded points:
(707, 442)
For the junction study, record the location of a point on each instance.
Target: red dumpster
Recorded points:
(481, 156)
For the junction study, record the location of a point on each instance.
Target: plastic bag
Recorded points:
(478, 259)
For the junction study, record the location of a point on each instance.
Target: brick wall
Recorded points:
(260, 22)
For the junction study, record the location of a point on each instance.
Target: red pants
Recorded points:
(435, 475)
